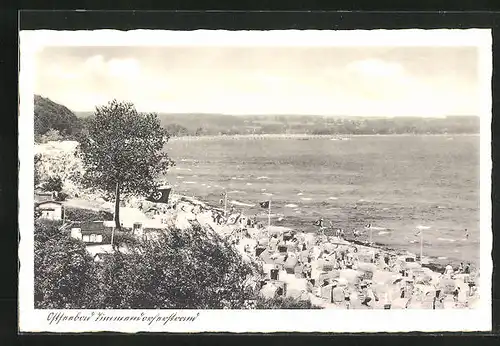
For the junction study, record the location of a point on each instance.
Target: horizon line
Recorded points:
(297, 115)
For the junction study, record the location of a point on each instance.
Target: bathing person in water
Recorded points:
(467, 269)
(466, 234)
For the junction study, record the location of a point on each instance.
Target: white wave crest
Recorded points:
(377, 228)
(242, 204)
(447, 239)
(423, 227)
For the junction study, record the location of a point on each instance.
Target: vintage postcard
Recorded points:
(255, 181)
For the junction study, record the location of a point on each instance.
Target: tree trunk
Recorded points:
(117, 206)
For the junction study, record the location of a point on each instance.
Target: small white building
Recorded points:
(91, 232)
(51, 210)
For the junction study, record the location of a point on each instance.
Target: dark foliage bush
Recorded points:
(283, 303)
(180, 270)
(87, 215)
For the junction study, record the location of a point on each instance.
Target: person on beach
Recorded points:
(347, 297)
(319, 223)
(438, 301)
(307, 269)
(355, 233)
(349, 263)
(460, 268)
(448, 271)
(456, 293)
(309, 286)
(467, 269)
(363, 295)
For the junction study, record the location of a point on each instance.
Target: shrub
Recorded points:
(283, 303)
(87, 215)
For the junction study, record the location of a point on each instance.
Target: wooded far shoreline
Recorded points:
(56, 121)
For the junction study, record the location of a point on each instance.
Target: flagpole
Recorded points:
(269, 215)
(421, 245)
(225, 202)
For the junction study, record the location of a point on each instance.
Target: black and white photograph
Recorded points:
(338, 176)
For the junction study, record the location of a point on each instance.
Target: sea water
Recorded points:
(394, 183)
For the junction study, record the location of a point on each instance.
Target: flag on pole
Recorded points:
(160, 195)
(319, 223)
(264, 205)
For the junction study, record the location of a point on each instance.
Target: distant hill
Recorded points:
(195, 124)
(214, 124)
(53, 116)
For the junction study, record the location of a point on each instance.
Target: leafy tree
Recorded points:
(176, 130)
(181, 269)
(199, 131)
(54, 183)
(123, 151)
(65, 273)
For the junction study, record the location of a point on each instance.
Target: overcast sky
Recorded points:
(398, 81)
